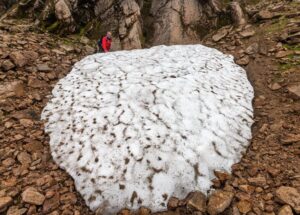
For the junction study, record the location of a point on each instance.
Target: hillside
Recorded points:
(34, 57)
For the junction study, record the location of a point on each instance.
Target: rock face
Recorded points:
(134, 23)
(182, 21)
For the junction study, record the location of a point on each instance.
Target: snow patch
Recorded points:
(137, 127)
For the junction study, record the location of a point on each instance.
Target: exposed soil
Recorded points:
(28, 76)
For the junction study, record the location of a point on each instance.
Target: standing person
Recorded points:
(104, 43)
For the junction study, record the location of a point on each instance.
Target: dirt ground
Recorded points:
(272, 161)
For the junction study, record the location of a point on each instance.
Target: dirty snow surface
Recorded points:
(136, 127)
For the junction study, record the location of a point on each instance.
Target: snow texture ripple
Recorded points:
(137, 127)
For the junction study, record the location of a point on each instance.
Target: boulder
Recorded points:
(220, 35)
(51, 204)
(295, 90)
(33, 146)
(219, 201)
(130, 27)
(68, 198)
(252, 49)
(282, 54)
(264, 14)
(247, 33)
(14, 210)
(5, 202)
(222, 176)
(36, 83)
(63, 11)
(275, 86)
(237, 13)
(244, 206)
(7, 65)
(18, 58)
(173, 203)
(10, 89)
(258, 181)
(197, 201)
(26, 122)
(24, 158)
(32, 196)
(183, 22)
(290, 196)
(43, 68)
(285, 210)
(293, 38)
(144, 211)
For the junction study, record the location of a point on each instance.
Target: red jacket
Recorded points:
(106, 43)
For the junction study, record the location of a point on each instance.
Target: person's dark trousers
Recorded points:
(100, 49)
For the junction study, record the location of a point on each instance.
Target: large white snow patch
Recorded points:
(137, 127)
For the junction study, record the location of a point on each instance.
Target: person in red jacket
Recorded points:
(104, 43)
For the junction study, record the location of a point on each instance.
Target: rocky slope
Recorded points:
(134, 23)
(265, 182)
